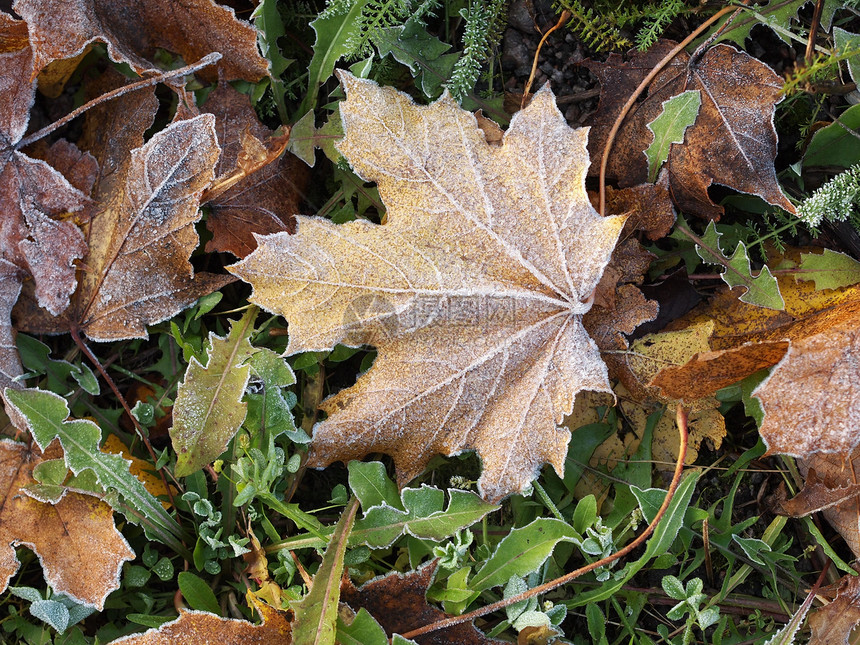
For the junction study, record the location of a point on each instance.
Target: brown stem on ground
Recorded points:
(681, 417)
(76, 336)
(641, 88)
(813, 30)
(207, 60)
(565, 15)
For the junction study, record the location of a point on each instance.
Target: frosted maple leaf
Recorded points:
(473, 290)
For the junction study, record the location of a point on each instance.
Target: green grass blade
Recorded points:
(316, 613)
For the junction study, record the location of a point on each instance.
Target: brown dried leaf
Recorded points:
(708, 372)
(648, 207)
(732, 142)
(202, 628)
(811, 400)
(142, 234)
(134, 29)
(80, 549)
(833, 623)
(619, 306)
(398, 603)
(33, 196)
(263, 202)
(837, 473)
(79, 168)
(473, 292)
(816, 496)
(608, 326)
(32, 193)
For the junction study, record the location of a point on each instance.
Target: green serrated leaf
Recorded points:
(209, 410)
(372, 486)
(46, 415)
(197, 593)
(332, 43)
(425, 55)
(36, 358)
(316, 614)
(762, 290)
(522, 551)
(678, 114)
(422, 516)
(829, 270)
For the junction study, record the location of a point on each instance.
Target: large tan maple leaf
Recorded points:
(473, 291)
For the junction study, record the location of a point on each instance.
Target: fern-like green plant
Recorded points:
(600, 25)
(659, 16)
(598, 29)
(376, 15)
(823, 67)
(485, 22)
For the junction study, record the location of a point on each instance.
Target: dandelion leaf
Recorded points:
(761, 289)
(679, 113)
(829, 270)
(46, 415)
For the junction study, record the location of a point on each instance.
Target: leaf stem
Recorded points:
(681, 418)
(546, 501)
(207, 60)
(604, 161)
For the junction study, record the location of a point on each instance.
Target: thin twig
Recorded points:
(641, 88)
(681, 417)
(207, 60)
(813, 29)
(561, 20)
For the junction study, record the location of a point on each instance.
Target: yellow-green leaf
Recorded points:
(209, 408)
